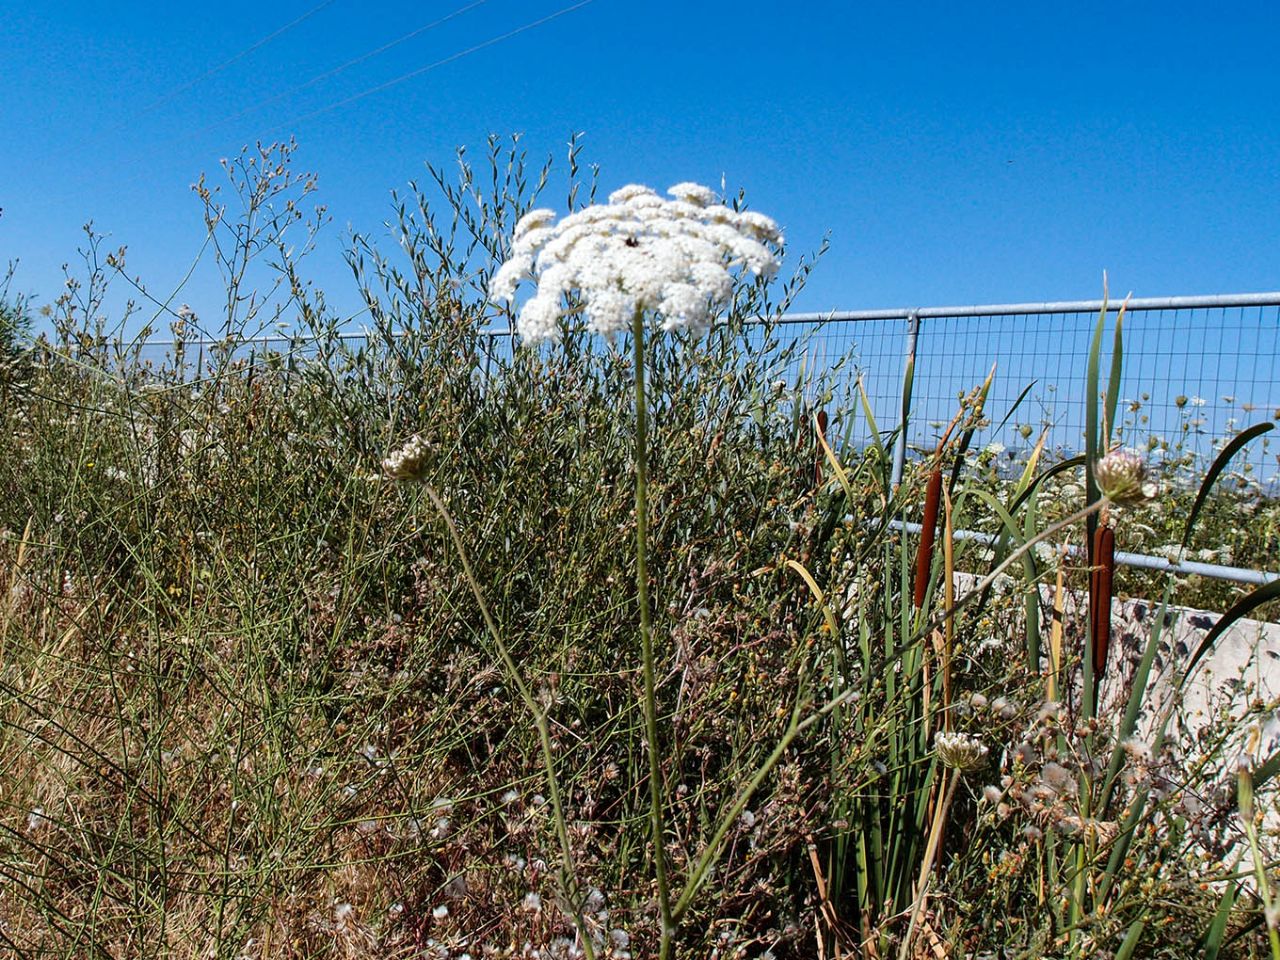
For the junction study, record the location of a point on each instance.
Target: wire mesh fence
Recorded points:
(1196, 371)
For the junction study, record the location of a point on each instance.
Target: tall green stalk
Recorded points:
(569, 881)
(646, 639)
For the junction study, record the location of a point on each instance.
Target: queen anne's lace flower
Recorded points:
(673, 258)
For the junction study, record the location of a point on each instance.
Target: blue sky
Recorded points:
(954, 153)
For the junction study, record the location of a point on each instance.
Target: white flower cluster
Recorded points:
(1122, 477)
(638, 252)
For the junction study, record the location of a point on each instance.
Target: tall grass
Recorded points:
(254, 702)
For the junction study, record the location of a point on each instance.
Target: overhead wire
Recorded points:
(321, 77)
(346, 101)
(256, 45)
(144, 174)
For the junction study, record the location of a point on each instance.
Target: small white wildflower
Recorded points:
(440, 912)
(978, 701)
(1046, 552)
(991, 793)
(959, 751)
(36, 819)
(343, 912)
(637, 253)
(693, 193)
(532, 903)
(510, 797)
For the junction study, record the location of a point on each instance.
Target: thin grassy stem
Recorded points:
(646, 641)
(569, 879)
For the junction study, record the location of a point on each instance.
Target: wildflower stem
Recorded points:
(569, 880)
(646, 638)
(926, 868)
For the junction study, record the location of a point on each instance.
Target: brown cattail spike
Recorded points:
(1104, 569)
(924, 556)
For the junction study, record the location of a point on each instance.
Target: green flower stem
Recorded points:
(1244, 794)
(702, 870)
(646, 640)
(570, 878)
(926, 868)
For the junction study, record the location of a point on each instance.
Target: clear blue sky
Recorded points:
(956, 153)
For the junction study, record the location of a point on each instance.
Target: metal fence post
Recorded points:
(904, 413)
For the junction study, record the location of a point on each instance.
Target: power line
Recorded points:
(257, 45)
(145, 173)
(319, 78)
(439, 63)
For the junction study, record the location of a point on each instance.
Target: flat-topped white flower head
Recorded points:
(673, 259)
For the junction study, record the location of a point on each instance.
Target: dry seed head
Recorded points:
(959, 751)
